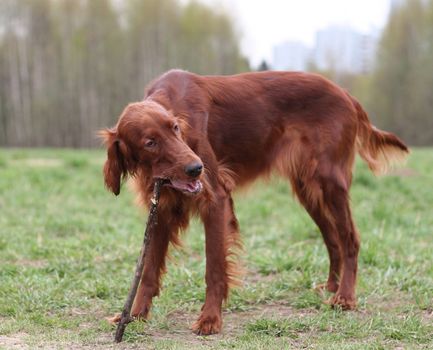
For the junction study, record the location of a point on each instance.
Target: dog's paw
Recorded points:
(343, 302)
(114, 319)
(140, 311)
(207, 324)
(330, 286)
(136, 315)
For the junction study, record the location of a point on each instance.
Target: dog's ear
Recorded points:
(115, 166)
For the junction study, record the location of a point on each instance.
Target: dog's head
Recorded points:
(148, 140)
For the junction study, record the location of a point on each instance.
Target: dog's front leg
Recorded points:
(216, 221)
(154, 267)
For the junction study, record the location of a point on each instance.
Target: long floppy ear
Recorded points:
(115, 166)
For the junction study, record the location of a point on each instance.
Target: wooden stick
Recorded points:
(151, 223)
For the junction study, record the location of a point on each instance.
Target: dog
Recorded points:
(208, 135)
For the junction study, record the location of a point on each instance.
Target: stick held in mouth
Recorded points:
(151, 223)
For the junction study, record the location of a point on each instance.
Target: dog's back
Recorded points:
(256, 122)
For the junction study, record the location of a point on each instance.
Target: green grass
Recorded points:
(68, 249)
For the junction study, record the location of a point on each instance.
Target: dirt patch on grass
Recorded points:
(13, 341)
(176, 330)
(389, 303)
(427, 316)
(179, 323)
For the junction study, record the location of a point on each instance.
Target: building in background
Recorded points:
(337, 48)
(344, 50)
(291, 55)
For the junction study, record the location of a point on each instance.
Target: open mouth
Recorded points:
(189, 187)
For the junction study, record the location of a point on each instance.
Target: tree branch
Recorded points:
(151, 223)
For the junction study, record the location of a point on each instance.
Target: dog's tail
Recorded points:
(379, 149)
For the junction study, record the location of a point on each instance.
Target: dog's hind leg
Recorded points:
(296, 161)
(336, 200)
(326, 199)
(330, 235)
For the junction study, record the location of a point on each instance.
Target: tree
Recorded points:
(263, 66)
(67, 68)
(402, 81)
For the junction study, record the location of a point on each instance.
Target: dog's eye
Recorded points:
(176, 128)
(150, 143)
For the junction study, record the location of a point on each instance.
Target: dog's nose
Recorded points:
(194, 169)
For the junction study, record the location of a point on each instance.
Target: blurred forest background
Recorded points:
(68, 67)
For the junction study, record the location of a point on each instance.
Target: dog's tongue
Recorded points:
(194, 186)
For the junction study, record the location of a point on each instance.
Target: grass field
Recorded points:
(68, 250)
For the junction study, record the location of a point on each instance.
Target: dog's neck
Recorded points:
(158, 98)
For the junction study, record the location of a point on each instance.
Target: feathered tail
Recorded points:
(379, 149)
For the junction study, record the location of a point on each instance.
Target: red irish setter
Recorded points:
(208, 135)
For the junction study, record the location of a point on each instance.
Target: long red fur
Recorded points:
(240, 128)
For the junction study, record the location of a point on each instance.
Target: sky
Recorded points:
(263, 24)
